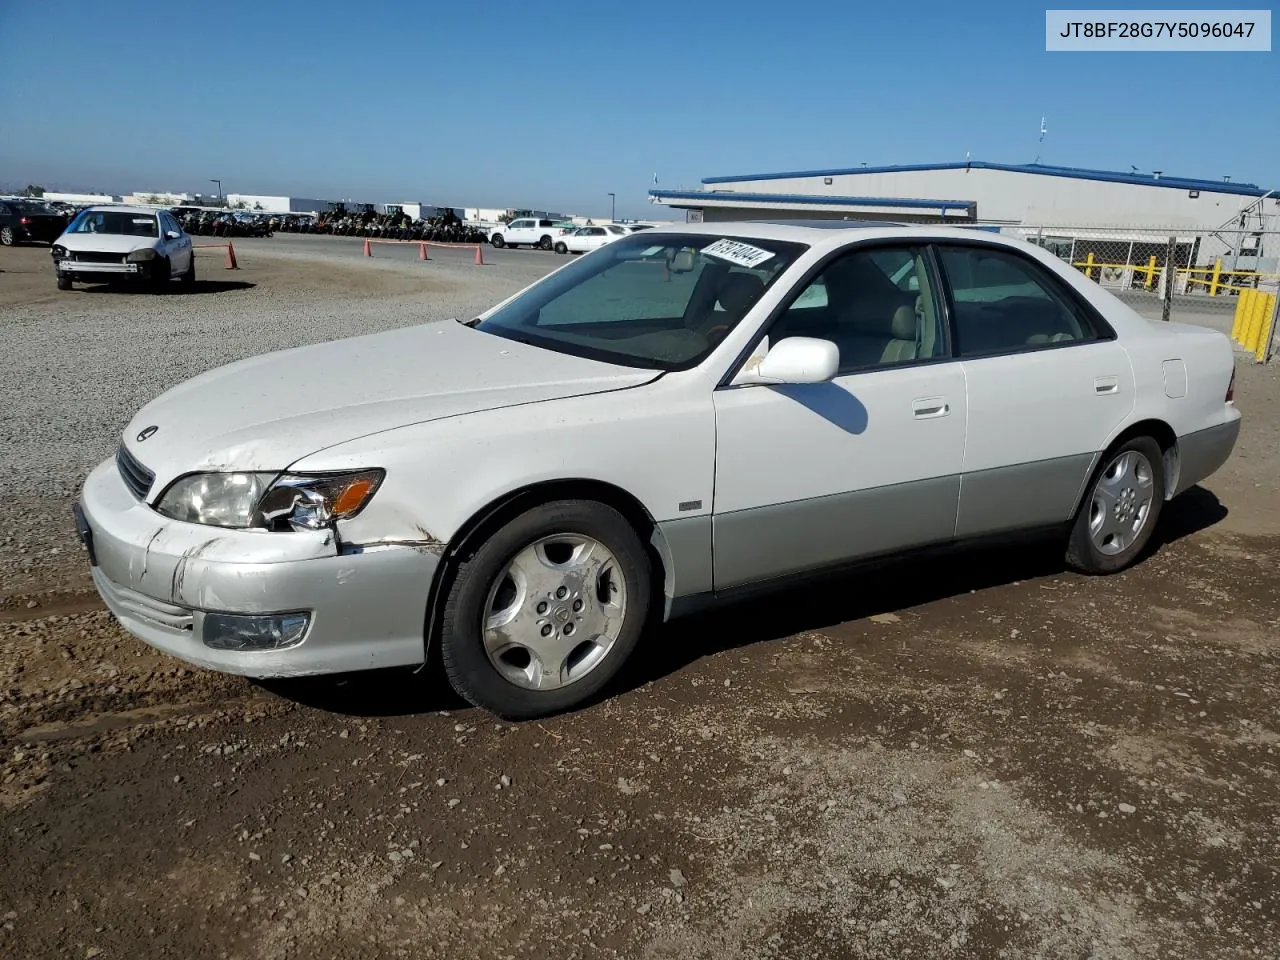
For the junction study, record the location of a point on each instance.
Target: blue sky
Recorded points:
(554, 105)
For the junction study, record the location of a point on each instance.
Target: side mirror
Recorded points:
(172, 234)
(798, 360)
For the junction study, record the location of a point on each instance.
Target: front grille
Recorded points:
(135, 476)
(83, 257)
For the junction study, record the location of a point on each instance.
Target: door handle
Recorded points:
(1106, 385)
(931, 407)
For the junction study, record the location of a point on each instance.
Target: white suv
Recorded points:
(530, 231)
(106, 244)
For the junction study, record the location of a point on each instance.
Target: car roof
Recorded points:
(123, 208)
(835, 232)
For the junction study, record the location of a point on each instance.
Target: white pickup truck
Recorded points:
(530, 231)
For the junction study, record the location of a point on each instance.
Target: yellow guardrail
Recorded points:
(1251, 328)
(1150, 272)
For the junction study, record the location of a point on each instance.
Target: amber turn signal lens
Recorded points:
(354, 496)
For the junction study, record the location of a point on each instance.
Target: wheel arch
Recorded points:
(499, 511)
(1159, 431)
(1163, 434)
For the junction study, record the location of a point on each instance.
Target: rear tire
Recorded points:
(563, 566)
(7, 238)
(544, 243)
(1120, 510)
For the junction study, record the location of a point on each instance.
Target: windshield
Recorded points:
(115, 221)
(659, 301)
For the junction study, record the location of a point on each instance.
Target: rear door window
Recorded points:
(1003, 302)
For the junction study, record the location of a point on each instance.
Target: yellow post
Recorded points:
(1088, 265)
(1256, 304)
(1217, 273)
(1151, 272)
(1241, 319)
(1250, 317)
(1264, 331)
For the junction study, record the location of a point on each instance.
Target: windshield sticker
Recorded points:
(742, 254)
(652, 251)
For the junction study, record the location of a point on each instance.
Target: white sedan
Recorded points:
(586, 239)
(113, 243)
(685, 416)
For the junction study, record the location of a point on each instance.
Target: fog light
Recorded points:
(277, 631)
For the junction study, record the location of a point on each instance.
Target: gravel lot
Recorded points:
(983, 756)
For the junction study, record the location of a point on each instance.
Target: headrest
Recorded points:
(738, 291)
(878, 318)
(905, 323)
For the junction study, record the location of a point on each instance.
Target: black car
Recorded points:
(22, 221)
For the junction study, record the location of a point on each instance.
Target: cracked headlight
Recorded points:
(217, 499)
(313, 502)
(268, 500)
(146, 253)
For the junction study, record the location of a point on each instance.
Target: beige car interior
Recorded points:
(869, 318)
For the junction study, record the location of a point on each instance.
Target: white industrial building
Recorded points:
(974, 191)
(1057, 206)
(417, 210)
(53, 196)
(267, 204)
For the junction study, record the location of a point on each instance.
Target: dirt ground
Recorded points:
(980, 756)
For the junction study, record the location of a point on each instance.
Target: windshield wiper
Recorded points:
(467, 323)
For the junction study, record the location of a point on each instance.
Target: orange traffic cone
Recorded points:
(231, 258)
(479, 256)
(368, 251)
(422, 252)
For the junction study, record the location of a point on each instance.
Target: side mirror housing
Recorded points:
(796, 360)
(172, 234)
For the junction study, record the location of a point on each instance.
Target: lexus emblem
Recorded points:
(147, 433)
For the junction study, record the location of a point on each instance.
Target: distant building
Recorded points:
(87, 198)
(485, 214)
(421, 211)
(273, 204)
(972, 191)
(158, 199)
(1055, 207)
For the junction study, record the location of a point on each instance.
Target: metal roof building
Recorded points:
(974, 191)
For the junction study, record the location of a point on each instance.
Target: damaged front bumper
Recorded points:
(178, 585)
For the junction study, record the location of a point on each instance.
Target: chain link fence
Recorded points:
(1171, 273)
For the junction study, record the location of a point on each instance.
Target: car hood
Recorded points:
(266, 412)
(104, 242)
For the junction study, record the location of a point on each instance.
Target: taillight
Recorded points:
(1231, 387)
(25, 222)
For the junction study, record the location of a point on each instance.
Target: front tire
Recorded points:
(1119, 512)
(160, 274)
(497, 241)
(546, 611)
(64, 283)
(189, 278)
(561, 248)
